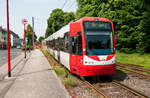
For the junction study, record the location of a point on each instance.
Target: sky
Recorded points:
(39, 9)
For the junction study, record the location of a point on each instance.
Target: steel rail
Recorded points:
(102, 95)
(129, 89)
(139, 68)
(141, 74)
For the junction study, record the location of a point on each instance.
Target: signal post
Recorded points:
(24, 21)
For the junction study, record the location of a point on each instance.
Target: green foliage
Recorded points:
(127, 50)
(27, 48)
(69, 82)
(27, 33)
(58, 19)
(134, 58)
(59, 70)
(40, 39)
(46, 53)
(130, 17)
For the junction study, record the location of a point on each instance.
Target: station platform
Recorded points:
(32, 77)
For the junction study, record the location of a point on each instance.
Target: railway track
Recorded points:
(113, 90)
(134, 67)
(100, 93)
(135, 70)
(129, 89)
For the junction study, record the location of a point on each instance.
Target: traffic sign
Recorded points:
(26, 38)
(24, 21)
(29, 30)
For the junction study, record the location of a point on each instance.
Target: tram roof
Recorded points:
(59, 34)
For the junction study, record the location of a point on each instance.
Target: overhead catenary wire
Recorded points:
(64, 4)
(39, 20)
(71, 5)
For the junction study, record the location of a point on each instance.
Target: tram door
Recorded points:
(76, 53)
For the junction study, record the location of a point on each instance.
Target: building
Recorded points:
(22, 42)
(14, 38)
(3, 38)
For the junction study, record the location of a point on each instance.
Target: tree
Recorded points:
(27, 33)
(57, 20)
(40, 39)
(130, 17)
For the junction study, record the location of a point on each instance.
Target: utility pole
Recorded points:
(24, 41)
(29, 30)
(8, 47)
(33, 32)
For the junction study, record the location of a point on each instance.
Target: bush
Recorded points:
(59, 70)
(69, 82)
(27, 48)
(127, 50)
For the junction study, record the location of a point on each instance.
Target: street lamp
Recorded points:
(24, 21)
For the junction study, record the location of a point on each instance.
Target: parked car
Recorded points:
(18, 47)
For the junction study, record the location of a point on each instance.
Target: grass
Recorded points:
(134, 58)
(69, 82)
(46, 53)
(67, 78)
(63, 72)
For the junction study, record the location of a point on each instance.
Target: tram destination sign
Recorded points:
(97, 25)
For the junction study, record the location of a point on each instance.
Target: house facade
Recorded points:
(3, 38)
(14, 38)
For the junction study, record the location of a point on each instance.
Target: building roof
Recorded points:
(10, 31)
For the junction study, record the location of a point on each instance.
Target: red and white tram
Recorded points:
(85, 47)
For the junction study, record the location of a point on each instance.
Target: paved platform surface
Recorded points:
(32, 77)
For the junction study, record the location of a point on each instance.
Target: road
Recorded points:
(13, 53)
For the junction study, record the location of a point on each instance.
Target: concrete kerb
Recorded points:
(14, 63)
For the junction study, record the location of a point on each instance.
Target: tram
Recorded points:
(86, 47)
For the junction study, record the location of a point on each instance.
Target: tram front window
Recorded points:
(99, 38)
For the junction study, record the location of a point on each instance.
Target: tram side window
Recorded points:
(57, 44)
(53, 44)
(61, 44)
(73, 42)
(79, 45)
(66, 42)
(48, 43)
(76, 45)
